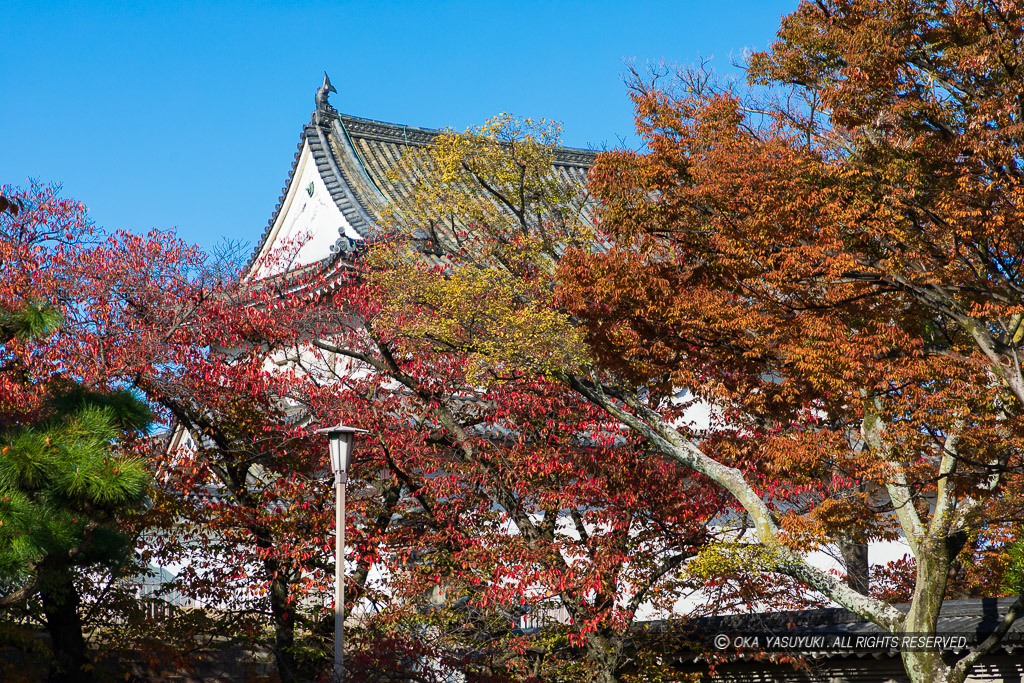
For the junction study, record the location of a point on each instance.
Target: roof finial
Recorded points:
(324, 110)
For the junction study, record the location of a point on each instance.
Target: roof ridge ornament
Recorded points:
(324, 111)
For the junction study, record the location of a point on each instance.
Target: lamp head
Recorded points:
(340, 438)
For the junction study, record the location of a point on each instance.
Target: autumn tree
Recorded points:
(242, 499)
(834, 266)
(70, 468)
(456, 313)
(239, 501)
(509, 517)
(831, 276)
(151, 315)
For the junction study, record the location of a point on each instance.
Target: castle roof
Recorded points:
(363, 166)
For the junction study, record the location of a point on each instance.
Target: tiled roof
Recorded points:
(691, 646)
(975, 619)
(365, 166)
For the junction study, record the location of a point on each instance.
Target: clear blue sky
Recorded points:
(187, 114)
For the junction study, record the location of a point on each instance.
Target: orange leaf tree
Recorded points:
(833, 265)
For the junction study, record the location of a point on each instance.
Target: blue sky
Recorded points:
(187, 114)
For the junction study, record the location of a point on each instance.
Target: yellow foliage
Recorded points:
(476, 242)
(732, 559)
(485, 313)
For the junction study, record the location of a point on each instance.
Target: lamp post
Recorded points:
(340, 439)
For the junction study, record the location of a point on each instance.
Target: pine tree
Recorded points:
(67, 475)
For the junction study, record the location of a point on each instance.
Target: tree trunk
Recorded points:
(855, 562)
(929, 667)
(64, 624)
(923, 618)
(283, 615)
(604, 652)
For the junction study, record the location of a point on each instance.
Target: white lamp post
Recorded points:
(340, 439)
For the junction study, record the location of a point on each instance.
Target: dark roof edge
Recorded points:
(337, 183)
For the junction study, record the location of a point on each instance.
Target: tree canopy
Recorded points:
(827, 261)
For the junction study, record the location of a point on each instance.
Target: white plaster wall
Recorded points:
(308, 224)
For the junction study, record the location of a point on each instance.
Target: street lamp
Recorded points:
(340, 439)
